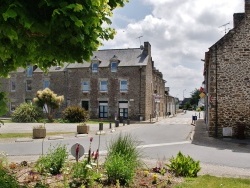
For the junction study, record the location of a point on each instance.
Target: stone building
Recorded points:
(227, 80)
(116, 83)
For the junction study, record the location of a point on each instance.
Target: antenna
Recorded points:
(225, 26)
(139, 39)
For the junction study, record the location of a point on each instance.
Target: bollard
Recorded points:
(100, 126)
(123, 122)
(116, 123)
(128, 121)
(110, 125)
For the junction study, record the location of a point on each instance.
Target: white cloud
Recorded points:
(180, 32)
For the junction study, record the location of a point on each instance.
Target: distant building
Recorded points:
(227, 79)
(117, 83)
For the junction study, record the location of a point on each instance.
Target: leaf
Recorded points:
(9, 14)
(79, 23)
(78, 7)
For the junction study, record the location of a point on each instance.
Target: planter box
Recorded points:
(39, 133)
(83, 129)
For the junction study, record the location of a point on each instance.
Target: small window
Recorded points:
(12, 106)
(28, 85)
(123, 85)
(29, 71)
(46, 84)
(85, 105)
(113, 66)
(12, 85)
(85, 86)
(94, 67)
(103, 86)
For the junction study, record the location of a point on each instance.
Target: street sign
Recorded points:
(77, 150)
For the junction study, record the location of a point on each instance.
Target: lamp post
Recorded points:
(183, 93)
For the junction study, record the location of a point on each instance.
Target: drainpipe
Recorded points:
(140, 70)
(216, 87)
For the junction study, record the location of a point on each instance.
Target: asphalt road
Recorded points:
(158, 141)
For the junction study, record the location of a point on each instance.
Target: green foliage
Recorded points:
(26, 112)
(183, 165)
(195, 96)
(48, 100)
(3, 104)
(75, 114)
(7, 180)
(122, 160)
(49, 32)
(53, 161)
(84, 174)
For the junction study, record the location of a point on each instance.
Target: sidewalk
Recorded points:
(200, 137)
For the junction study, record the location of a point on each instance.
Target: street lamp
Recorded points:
(183, 93)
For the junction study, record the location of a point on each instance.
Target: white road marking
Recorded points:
(164, 144)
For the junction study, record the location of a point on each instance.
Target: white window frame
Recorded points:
(94, 67)
(123, 87)
(46, 84)
(113, 66)
(103, 87)
(85, 86)
(26, 84)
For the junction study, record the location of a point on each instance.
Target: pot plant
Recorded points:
(39, 131)
(82, 128)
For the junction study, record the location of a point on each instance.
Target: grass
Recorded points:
(25, 135)
(208, 181)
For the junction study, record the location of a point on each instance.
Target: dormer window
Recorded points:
(95, 64)
(29, 71)
(113, 66)
(94, 67)
(114, 63)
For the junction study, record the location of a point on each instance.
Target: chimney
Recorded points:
(147, 48)
(247, 7)
(237, 18)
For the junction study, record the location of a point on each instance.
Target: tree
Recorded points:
(195, 96)
(46, 33)
(49, 101)
(3, 104)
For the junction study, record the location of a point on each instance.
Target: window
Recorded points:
(123, 85)
(85, 86)
(104, 86)
(94, 67)
(123, 109)
(113, 66)
(85, 105)
(46, 84)
(12, 106)
(103, 109)
(29, 71)
(12, 85)
(28, 85)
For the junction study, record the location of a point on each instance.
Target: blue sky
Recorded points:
(179, 31)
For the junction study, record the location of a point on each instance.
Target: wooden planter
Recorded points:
(39, 133)
(82, 129)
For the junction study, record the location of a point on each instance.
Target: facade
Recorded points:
(116, 83)
(227, 79)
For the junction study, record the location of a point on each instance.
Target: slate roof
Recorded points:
(127, 57)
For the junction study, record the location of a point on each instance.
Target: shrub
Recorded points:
(7, 180)
(122, 160)
(27, 112)
(183, 165)
(75, 114)
(84, 173)
(53, 161)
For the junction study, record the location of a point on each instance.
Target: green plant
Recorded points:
(3, 160)
(26, 112)
(53, 161)
(122, 160)
(7, 180)
(49, 101)
(183, 165)
(75, 114)
(85, 174)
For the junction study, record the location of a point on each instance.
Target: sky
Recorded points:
(179, 31)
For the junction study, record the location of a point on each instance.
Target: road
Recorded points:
(157, 141)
